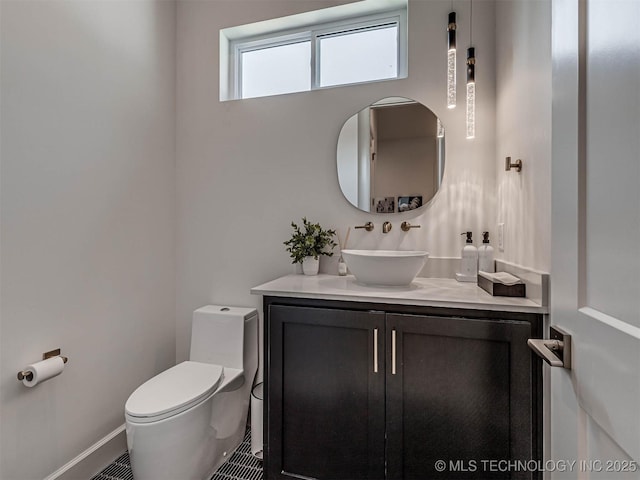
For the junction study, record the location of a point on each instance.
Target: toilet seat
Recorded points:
(173, 391)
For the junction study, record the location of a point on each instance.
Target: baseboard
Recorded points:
(95, 458)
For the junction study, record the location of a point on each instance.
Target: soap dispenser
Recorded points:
(342, 267)
(485, 255)
(468, 261)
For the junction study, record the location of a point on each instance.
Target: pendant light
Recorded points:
(451, 61)
(471, 81)
(439, 129)
(471, 92)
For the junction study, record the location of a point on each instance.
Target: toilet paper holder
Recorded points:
(53, 353)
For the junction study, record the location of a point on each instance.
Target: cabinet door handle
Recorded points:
(393, 352)
(375, 350)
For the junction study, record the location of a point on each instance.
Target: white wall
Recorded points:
(87, 218)
(523, 130)
(247, 168)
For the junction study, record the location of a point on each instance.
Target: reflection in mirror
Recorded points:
(391, 156)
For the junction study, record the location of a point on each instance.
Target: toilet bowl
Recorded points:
(186, 421)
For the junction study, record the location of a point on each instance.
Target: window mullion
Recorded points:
(237, 71)
(315, 61)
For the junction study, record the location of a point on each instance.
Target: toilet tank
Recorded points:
(217, 334)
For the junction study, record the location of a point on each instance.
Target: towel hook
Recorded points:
(517, 165)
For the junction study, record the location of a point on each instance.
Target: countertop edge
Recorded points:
(394, 297)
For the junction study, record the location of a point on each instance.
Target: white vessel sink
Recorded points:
(392, 268)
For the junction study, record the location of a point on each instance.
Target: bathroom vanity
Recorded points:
(372, 382)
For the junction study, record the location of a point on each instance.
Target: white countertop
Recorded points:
(428, 292)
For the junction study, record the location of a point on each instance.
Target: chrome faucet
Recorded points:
(386, 227)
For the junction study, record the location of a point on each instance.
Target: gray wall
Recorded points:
(87, 218)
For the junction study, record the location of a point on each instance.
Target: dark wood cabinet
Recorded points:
(461, 393)
(325, 399)
(374, 391)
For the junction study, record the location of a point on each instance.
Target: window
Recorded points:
(275, 69)
(340, 52)
(358, 55)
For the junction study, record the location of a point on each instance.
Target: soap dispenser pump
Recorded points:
(468, 261)
(485, 255)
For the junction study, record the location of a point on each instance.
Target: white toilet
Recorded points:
(186, 421)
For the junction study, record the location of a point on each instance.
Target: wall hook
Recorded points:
(517, 165)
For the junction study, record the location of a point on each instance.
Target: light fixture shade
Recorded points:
(451, 61)
(471, 92)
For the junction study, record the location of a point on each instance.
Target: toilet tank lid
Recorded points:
(175, 389)
(225, 310)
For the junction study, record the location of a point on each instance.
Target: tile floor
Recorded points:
(241, 466)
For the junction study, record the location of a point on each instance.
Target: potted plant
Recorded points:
(308, 243)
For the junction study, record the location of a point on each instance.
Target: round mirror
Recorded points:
(391, 156)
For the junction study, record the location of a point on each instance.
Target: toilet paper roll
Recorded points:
(44, 370)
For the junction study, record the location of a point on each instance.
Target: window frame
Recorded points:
(312, 34)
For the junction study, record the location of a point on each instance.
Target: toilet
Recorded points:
(186, 421)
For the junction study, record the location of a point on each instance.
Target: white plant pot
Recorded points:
(310, 265)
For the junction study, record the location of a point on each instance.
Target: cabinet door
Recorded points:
(460, 393)
(325, 416)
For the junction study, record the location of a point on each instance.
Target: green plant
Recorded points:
(310, 241)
